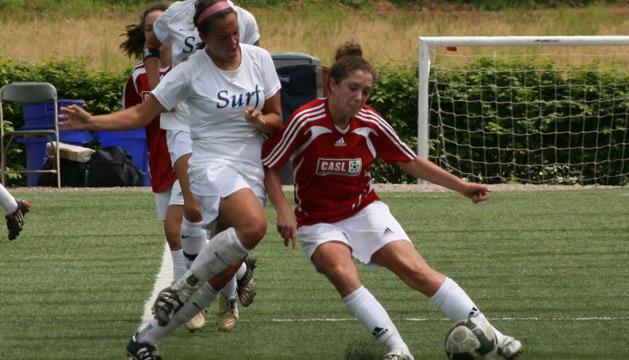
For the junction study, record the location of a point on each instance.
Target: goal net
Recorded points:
(537, 110)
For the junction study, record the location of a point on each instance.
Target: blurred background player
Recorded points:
(332, 143)
(15, 210)
(168, 198)
(175, 27)
(233, 93)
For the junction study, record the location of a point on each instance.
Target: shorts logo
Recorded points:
(343, 167)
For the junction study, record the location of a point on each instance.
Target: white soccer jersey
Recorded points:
(175, 25)
(217, 100)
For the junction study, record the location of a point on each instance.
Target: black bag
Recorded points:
(73, 173)
(111, 166)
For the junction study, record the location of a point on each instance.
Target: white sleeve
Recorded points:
(250, 33)
(161, 27)
(174, 87)
(269, 75)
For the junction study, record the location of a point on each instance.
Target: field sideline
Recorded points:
(547, 266)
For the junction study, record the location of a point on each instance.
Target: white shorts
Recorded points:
(218, 181)
(170, 196)
(365, 233)
(179, 144)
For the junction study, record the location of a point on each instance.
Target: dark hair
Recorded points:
(134, 45)
(349, 58)
(206, 24)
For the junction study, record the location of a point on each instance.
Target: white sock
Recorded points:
(179, 263)
(456, 304)
(241, 272)
(152, 333)
(193, 237)
(224, 250)
(229, 290)
(7, 201)
(374, 317)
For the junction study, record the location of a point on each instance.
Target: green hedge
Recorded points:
(101, 91)
(578, 116)
(395, 96)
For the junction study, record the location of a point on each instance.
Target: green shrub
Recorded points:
(395, 97)
(101, 91)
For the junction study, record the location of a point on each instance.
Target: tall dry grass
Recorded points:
(388, 35)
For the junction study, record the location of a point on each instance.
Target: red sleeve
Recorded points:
(389, 147)
(131, 96)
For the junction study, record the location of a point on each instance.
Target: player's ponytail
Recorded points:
(349, 58)
(134, 45)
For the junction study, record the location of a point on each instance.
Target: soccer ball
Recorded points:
(470, 339)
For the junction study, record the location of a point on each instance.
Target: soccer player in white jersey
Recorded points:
(232, 92)
(15, 210)
(332, 143)
(175, 27)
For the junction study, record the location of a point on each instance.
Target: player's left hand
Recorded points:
(254, 116)
(287, 227)
(476, 192)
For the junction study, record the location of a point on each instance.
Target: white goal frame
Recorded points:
(425, 55)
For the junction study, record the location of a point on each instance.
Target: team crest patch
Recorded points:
(343, 167)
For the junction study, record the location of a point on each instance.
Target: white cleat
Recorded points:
(197, 322)
(397, 355)
(510, 348)
(227, 316)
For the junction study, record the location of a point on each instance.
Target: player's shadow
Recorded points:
(364, 350)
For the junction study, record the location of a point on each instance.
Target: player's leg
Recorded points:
(15, 210)
(142, 345)
(220, 190)
(227, 315)
(170, 215)
(402, 259)
(333, 258)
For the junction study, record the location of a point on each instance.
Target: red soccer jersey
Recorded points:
(160, 170)
(331, 165)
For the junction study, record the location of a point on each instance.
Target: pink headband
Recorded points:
(213, 9)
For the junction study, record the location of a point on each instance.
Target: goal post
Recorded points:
(554, 84)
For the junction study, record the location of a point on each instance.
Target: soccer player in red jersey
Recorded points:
(332, 143)
(168, 200)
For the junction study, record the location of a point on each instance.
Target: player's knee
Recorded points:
(251, 234)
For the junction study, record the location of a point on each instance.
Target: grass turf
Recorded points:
(548, 267)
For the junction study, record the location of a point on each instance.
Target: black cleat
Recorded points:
(166, 305)
(15, 220)
(246, 286)
(141, 351)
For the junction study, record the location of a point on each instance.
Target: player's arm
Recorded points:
(286, 225)
(151, 59)
(426, 170)
(74, 117)
(270, 118)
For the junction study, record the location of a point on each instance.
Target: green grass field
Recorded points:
(547, 266)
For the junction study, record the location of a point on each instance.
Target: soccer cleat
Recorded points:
(246, 286)
(227, 316)
(510, 348)
(141, 351)
(15, 220)
(197, 322)
(397, 355)
(166, 305)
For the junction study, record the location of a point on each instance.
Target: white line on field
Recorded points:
(165, 276)
(530, 318)
(163, 279)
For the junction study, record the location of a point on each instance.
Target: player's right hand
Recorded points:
(74, 117)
